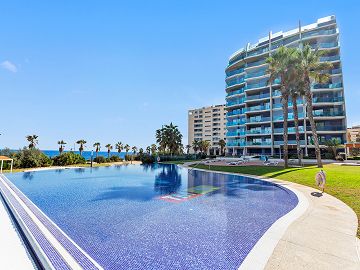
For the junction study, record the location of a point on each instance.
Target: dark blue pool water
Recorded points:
(158, 217)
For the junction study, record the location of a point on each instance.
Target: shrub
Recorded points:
(68, 158)
(115, 159)
(329, 155)
(147, 159)
(31, 158)
(100, 159)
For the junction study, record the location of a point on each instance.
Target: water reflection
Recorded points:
(28, 175)
(79, 170)
(168, 180)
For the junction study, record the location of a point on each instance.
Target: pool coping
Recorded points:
(52, 247)
(294, 249)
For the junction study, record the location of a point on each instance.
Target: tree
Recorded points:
(127, 149)
(109, 148)
(97, 148)
(205, 146)
(119, 147)
(281, 66)
(134, 149)
(332, 145)
(153, 148)
(62, 146)
(222, 145)
(148, 150)
(188, 147)
(169, 139)
(141, 152)
(312, 70)
(195, 146)
(33, 140)
(81, 148)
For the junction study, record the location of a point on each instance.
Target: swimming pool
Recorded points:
(158, 216)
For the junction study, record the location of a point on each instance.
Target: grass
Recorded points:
(343, 182)
(178, 161)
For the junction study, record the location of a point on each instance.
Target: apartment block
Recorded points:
(254, 109)
(353, 134)
(207, 124)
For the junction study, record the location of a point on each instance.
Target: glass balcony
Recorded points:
(293, 142)
(290, 130)
(259, 108)
(256, 74)
(233, 72)
(265, 143)
(258, 119)
(327, 128)
(291, 39)
(290, 117)
(279, 105)
(253, 97)
(330, 58)
(327, 99)
(257, 63)
(321, 113)
(256, 85)
(236, 112)
(318, 33)
(325, 45)
(237, 58)
(235, 123)
(258, 131)
(258, 51)
(235, 81)
(237, 92)
(235, 102)
(235, 133)
(326, 85)
(236, 143)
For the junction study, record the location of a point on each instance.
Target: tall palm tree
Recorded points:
(81, 143)
(33, 140)
(134, 149)
(127, 149)
(148, 150)
(281, 66)
(195, 146)
(312, 70)
(119, 147)
(141, 151)
(188, 147)
(169, 139)
(109, 148)
(222, 145)
(62, 146)
(97, 146)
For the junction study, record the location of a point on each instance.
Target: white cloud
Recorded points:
(9, 66)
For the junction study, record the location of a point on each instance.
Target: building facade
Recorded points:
(353, 134)
(254, 110)
(207, 124)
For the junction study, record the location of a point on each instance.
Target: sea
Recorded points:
(85, 154)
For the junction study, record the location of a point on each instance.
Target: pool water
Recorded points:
(158, 216)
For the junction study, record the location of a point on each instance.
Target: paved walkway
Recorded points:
(13, 254)
(324, 237)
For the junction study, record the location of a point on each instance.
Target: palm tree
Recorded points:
(222, 145)
(97, 148)
(281, 66)
(153, 148)
(109, 148)
(195, 146)
(169, 139)
(33, 140)
(188, 147)
(81, 143)
(148, 150)
(127, 149)
(62, 146)
(119, 147)
(312, 70)
(134, 149)
(141, 151)
(205, 146)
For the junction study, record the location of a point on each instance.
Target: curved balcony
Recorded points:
(236, 81)
(237, 92)
(234, 72)
(255, 97)
(323, 32)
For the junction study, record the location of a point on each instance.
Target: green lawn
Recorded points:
(343, 182)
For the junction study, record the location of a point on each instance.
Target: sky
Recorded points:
(113, 71)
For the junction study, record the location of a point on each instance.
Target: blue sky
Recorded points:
(117, 70)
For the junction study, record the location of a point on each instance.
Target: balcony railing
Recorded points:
(258, 51)
(259, 119)
(320, 113)
(235, 123)
(255, 74)
(256, 85)
(235, 102)
(253, 97)
(325, 45)
(257, 63)
(236, 143)
(235, 133)
(290, 117)
(237, 92)
(236, 112)
(259, 108)
(302, 142)
(235, 71)
(290, 130)
(318, 33)
(259, 131)
(327, 99)
(235, 81)
(327, 128)
(264, 143)
(330, 58)
(326, 85)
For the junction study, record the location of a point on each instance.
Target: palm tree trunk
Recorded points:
(296, 123)
(308, 97)
(285, 100)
